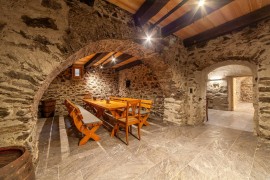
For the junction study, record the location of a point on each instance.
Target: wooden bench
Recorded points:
(84, 121)
(146, 106)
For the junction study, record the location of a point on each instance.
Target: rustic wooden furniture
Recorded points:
(84, 121)
(113, 98)
(48, 107)
(132, 117)
(101, 106)
(146, 106)
(16, 163)
(87, 107)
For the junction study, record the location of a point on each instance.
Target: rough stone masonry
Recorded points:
(40, 39)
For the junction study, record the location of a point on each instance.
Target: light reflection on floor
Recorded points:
(241, 118)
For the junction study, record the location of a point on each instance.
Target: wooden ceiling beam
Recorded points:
(95, 59)
(129, 65)
(125, 62)
(116, 55)
(84, 60)
(193, 15)
(104, 59)
(149, 9)
(169, 13)
(227, 27)
(120, 59)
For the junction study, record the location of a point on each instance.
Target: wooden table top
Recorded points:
(113, 105)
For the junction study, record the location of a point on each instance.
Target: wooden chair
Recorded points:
(145, 110)
(146, 106)
(131, 118)
(84, 121)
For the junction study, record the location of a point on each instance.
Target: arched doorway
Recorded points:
(222, 78)
(125, 46)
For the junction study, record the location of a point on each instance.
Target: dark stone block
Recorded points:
(264, 89)
(39, 22)
(88, 2)
(23, 137)
(16, 101)
(4, 112)
(19, 75)
(264, 99)
(265, 79)
(20, 113)
(42, 40)
(63, 49)
(2, 25)
(10, 88)
(24, 120)
(51, 4)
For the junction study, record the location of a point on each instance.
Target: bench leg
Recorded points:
(144, 122)
(89, 134)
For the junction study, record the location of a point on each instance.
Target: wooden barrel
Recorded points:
(16, 163)
(48, 107)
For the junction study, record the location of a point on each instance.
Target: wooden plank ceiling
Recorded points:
(185, 19)
(105, 60)
(194, 23)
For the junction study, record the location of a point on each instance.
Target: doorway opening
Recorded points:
(230, 97)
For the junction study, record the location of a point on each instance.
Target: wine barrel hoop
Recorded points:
(16, 163)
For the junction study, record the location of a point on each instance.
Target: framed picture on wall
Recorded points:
(77, 72)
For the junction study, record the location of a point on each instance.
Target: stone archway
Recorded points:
(125, 46)
(149, 57)
(252, 67)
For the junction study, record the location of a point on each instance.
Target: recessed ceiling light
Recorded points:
(113, 59)
(201, 3)
(101, 66)
(148, 38)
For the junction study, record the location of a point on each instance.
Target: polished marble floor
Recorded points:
(166, 151)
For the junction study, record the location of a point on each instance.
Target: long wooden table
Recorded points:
(102, 105)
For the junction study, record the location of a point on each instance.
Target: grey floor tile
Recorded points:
(216, 150)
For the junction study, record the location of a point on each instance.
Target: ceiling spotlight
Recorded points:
(201, 2)
(113, 59)
(148, 38)
(101, 67)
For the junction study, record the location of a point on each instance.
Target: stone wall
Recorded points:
(31, 41)
(144, 85)
(217, 94)
(247, 90)
(40, 39)
(237, 93)
(97, 83)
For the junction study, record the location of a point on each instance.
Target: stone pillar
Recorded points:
(264, 96)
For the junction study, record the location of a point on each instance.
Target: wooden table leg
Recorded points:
(116, 116)
(99, 112)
